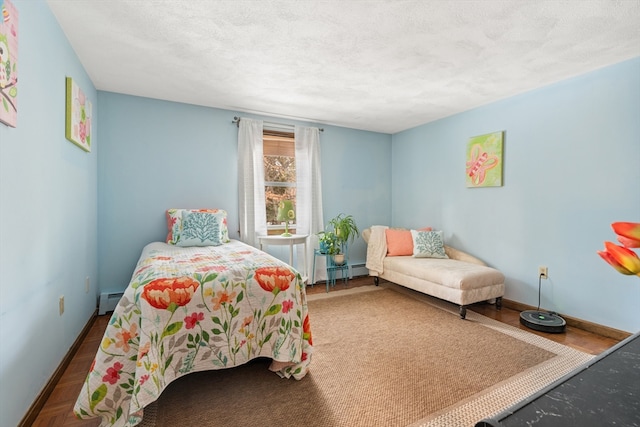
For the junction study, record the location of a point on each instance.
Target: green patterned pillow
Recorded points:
(428, 244)
(200, 229)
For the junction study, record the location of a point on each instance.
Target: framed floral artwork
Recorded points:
(78, 116)
(8, 64)
(484, 160)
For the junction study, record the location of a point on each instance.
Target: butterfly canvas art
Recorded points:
(484, 160)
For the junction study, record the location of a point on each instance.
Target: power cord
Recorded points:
(539, 290)
(553, 313)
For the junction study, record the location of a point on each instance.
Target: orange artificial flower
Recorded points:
(628, 233)
(622, 259)
(170, 293)
(274, 279)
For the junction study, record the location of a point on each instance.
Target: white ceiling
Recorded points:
(379, 65)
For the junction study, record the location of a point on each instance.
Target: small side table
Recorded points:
(332, 269)
(295, 239)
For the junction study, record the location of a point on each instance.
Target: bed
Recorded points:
(195, 308)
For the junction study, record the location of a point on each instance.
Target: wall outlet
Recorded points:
(61, 304)
(543, 272)
(87, 284)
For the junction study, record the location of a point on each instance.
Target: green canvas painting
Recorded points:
(484, 160)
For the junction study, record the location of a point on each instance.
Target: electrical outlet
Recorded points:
(61, 304)
(87, 283)
(543, 272)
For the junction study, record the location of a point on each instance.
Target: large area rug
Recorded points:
(383, 356)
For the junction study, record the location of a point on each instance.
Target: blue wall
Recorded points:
(48, 216)
(571, 168)
(157, 155)
(572, 156)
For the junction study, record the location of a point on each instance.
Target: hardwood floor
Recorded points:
(58, 409)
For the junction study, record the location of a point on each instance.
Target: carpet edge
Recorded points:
(500, 396)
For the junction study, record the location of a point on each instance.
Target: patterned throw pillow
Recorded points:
(428, 244)
(200, 229)
(175, 226)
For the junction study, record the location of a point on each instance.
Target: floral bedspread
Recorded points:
(194, 309)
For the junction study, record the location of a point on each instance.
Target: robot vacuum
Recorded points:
(542, 321)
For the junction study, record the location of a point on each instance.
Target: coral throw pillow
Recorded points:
(399, 242)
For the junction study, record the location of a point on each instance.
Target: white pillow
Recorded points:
(428, 244)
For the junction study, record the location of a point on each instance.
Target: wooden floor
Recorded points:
(58, 409)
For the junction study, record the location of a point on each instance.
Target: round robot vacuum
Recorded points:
(543, 322)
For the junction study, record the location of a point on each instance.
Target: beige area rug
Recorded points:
(383, 356)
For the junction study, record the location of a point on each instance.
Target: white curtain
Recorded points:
(309, 195)
(251, 203)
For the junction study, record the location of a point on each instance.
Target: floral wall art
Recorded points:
(78, 116)
(8, 64)
(484, 160)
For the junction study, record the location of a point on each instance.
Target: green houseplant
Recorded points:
(345, 228)
(341, 230)
(328, 242)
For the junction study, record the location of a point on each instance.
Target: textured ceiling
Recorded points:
(384, 65)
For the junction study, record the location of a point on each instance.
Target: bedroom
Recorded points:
(571, 169)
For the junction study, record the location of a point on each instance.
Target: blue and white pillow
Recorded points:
(428, 244)
(174, 224)
(200, 229)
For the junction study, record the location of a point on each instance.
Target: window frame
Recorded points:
(287, 138)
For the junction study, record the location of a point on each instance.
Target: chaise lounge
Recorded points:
(454, 276)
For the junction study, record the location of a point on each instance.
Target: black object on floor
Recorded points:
(603, 392)
(542, 321)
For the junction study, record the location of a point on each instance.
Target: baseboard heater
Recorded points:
(108, 302)
(357, 269)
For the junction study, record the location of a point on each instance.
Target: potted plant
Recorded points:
(341, 230)
(328, 242)
(330, 245)
(345, 228)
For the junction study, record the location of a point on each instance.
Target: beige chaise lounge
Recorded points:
(461, 278)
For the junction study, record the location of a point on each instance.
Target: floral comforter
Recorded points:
(194, 309)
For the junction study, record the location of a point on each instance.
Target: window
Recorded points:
(279, 176)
